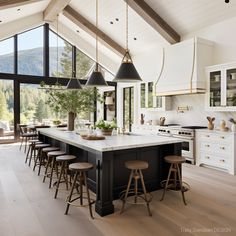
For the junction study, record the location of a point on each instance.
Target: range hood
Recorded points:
(183, 68)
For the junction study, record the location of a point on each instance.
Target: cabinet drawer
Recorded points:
(218, 148)
(216, 137)
(213, 160)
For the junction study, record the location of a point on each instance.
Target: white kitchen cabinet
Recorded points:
(221, 87)
(152, 103)
(216, 149)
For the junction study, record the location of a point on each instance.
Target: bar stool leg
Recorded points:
(51, 174)
(36, 160)
(145, 192)
(31, 153)
(66, 175)
(81, 187)
(59, 180)
(88, 195)
(27, 155)
(26, 140)
(135, 187)
(71, 193)
(22, 139)
(46, 170)
(127, 191)
(167, 182)
(181, 186)
(40, 161)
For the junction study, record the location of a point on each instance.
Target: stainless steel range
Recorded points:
(187, 135)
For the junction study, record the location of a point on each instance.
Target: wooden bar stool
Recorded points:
(136, 168)
(80, 169)
(31, 150)
(51, 162)
(176, 182)
(63, 160)
(39, 158)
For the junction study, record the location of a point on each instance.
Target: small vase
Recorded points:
(71, 121)
(233, 127)
(210, 126)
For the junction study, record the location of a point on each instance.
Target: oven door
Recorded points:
(187, 148)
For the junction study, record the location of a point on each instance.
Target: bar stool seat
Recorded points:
(133, 165)
(136, 168)
(176, 182)
(82, 166)
(50, 149)
(42, 145)
(56, 153)
(64, 159)
(80, 169)
(34, 141)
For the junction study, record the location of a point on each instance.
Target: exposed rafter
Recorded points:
(153, 19)
(54, 8)
(87, 26)
(15, 3)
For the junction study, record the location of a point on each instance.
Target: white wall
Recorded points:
(148, 64)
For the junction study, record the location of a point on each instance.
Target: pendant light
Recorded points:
(74, 83)
(96, 79)
(127, 72)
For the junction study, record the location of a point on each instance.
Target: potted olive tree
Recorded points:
(74, 102)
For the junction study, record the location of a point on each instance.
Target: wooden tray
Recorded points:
(92, 137)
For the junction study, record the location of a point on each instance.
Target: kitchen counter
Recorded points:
(111, 143)
(109, 177)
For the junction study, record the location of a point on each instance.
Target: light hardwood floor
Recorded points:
(27, 206)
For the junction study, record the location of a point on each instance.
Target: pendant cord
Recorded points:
(127, 26)
(96, 35)
(57, 48)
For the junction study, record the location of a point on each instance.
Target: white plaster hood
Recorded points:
(183, 68)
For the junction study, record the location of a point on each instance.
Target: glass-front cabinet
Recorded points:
(149, 101)
(221, 90)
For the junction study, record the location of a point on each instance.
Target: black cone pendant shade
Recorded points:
(74, 84)
(127, 72)
(96, 79)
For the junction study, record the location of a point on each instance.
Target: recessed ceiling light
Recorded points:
(77, 31)
(135, 38)
(117, 19)
(111, 22)
(0, 21)
(226, 1)
(18, 9)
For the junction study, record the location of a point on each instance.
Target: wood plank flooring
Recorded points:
(27, 206)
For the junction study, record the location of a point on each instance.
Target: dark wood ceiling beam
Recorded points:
(15, 3)
(153, 19)
(54, 8)
(91, 29)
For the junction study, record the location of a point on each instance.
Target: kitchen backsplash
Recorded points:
(196, 115)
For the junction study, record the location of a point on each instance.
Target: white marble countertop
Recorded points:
(111, 143)
(215, 131)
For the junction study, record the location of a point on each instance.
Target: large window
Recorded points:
(128, 108)
(60, 56)
(6, 110)
(83, 64)
(7, 56)
(30, 52)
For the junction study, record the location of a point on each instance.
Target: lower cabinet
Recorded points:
(216, 149)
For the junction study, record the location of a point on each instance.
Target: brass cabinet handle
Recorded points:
(223, 148)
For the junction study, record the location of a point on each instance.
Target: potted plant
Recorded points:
(106, 127)
(73, 102)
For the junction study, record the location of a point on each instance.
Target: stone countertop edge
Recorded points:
(105, 145)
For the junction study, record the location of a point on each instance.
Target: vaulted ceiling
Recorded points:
(151, 22)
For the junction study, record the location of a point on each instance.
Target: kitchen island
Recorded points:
(110, 177)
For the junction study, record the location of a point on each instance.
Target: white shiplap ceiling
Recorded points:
(187, 16)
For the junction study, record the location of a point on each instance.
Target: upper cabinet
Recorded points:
(183, 69)
(221, 87)
(150, 102)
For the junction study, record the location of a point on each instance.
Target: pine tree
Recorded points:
(41, 111)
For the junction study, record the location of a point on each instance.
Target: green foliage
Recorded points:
(101, 124)
(79, 101)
